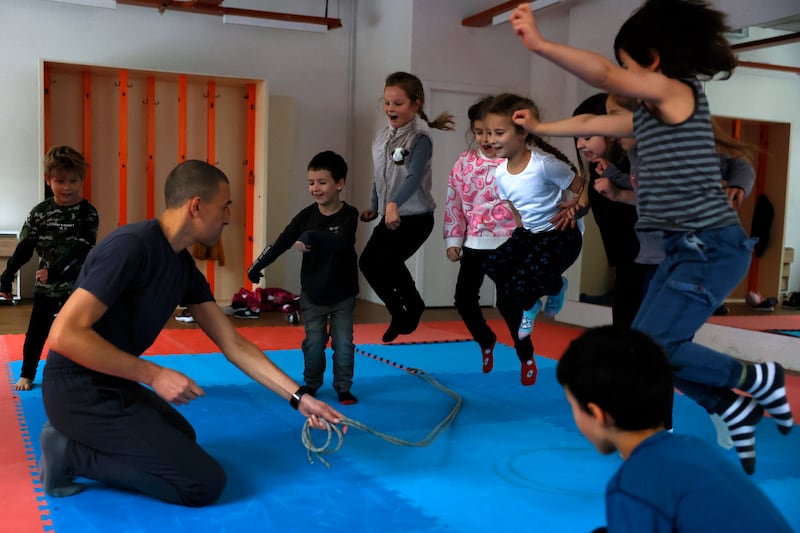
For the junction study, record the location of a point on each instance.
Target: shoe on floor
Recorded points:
(184, 315)
(528, 372)
(765, 305)
(346, 397)
(722, 310)
(793, 302)
(305, 389)
(246, 313)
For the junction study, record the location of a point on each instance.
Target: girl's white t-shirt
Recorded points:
(537, 190)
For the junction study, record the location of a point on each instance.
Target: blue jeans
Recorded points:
(700, 269)
(315, 319)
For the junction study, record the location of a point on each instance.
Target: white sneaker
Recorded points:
(184, 315)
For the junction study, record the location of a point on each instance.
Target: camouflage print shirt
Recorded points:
(61, 236)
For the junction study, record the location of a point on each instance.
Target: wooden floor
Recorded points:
(14, 319)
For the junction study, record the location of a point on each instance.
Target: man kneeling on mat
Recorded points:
(104, 424)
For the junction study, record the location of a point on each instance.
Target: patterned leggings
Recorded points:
(529, 265)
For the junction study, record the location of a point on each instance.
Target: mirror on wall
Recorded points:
(757, 104)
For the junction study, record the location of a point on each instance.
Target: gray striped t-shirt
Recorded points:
(679, 174)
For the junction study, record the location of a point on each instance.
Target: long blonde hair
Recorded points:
(412, 86)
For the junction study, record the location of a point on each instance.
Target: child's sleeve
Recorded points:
(738, 172)
(558, 172)
(619, 178)
(418, 159)
(28, 238)
(285, 240)
(373, 200)
(455, 224)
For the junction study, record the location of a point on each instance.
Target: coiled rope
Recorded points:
(313, 449)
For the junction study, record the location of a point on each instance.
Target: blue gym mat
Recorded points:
(511, 461)
(789, 332)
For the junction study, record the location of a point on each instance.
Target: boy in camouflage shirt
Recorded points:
(62, 229)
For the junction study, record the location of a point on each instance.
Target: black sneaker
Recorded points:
(305, 389)
(346, 397)
(722, 310)
(246, 313)
(793, 302)
(765, 305)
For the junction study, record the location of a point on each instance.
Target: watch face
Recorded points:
(294, 401)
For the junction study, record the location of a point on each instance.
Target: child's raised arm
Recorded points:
(587, 125)
(595, 69)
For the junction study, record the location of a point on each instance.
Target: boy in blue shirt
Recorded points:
(620, 386)
(325, 233)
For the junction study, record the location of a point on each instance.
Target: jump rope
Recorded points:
(312, 449)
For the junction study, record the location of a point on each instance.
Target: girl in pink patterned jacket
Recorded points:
(475, 223)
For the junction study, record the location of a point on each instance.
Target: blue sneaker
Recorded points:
(528, 316)
(555, 302)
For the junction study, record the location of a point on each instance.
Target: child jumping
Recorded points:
(534, 182)
(325, 233)
(707, 251)
(401, 194)
(62, 229)
(476, 222)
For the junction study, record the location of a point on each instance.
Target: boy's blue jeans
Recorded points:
(700, 269)
(316, 321)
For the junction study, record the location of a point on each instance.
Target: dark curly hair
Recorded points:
(687, 35)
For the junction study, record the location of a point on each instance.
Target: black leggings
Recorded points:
(43, 313)
(383, 261)
(529, 265)
(124, 435)
(467, 301)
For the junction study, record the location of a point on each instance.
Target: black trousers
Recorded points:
(629, 287)
(124, 435)
(43, 313)
(529, 265)
(383, 262)
(467, 302)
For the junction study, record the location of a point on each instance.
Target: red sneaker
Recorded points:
(488, 358)
(528, 373)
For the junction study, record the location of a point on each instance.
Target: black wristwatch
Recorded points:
(294, 399)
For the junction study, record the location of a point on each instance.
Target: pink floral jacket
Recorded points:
(474, 217)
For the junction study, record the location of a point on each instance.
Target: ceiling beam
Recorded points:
(768, 66)
(484, 18)
(212, 7)
(502, 13)
(766, 43)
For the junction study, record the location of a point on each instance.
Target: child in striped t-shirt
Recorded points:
(707, 250)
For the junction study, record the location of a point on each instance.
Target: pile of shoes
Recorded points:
(758, 303)
(792, 301)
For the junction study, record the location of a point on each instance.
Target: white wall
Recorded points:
(311, 68)
(335, 79)
(382, 46)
